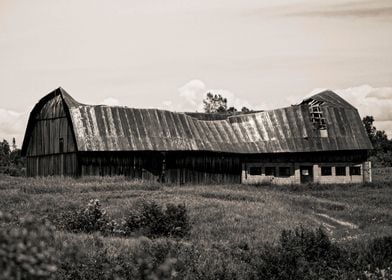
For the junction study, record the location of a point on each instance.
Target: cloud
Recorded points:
(12, 124)
(380, 9)
(110, 101)
(167, 103)
(192, 93)
(370, 101)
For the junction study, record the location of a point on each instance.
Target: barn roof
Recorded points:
(290, 129)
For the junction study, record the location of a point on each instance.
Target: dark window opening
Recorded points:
(255, 170)
(284, 171)
(340, 171)
(61, 145)
(326, 170)
(270, 171)
(316, 115)
(355, 170)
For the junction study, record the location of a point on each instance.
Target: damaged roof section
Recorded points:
(290, 129)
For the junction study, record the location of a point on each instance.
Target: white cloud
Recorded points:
(167, 103)
(110, 101)
(370, 101)
(191, 95)
(12, 124)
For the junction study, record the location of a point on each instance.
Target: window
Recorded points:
(340, 171)
(316, 115)
(284, 171)
(355, 170)
(326, 170)
(270, 171)
(255, 170)
(61, 145)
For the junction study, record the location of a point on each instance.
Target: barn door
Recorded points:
(306, 174)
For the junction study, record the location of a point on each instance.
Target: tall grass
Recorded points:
(236, 229)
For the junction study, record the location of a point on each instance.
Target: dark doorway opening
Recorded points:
(306, 174)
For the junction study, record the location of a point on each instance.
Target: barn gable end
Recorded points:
(49, 142)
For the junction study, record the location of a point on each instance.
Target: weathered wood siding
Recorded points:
(51, 148)
(52, 165)
(176, 168)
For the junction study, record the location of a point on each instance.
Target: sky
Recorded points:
(168, 54)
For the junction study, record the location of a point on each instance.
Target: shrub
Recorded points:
(149, 259)
(92, 218)
(300, 254)
(27, 250)
(379, 253)
(154, 221)
(150, 219)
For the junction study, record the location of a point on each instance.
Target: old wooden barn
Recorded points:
(320, 140)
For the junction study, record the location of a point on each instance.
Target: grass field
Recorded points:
(222, 217)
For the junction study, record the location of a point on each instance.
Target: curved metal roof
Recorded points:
(106, 128)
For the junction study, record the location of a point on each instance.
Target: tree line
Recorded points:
(11, 160)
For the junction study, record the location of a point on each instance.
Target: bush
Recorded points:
(154, 221)
(379, 253)
(26, 250)
(90, 259)
(301, 254)
(150, 220)
(92, 218)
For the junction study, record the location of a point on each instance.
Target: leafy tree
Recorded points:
(215, 103)
(382, 146)
(245, 110)
(13, 143)
(370, 129)
(232, 110)
(4, 153)
(11, 162)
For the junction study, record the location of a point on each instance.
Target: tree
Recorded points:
(13, 143)
(215, 103)
(382, 146)
(245, 110)
(11, 162)
(4, 153)
(370, 129)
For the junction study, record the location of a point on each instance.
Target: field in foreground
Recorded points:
(226, 221)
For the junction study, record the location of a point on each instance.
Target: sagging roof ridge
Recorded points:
(321, 96)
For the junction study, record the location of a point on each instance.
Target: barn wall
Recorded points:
(176, 168)
(52, 165)
(315, 161)
(51, 147)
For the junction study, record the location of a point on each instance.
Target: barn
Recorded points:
(320, 140)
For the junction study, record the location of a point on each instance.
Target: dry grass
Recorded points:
(223, 218)
(219, 214)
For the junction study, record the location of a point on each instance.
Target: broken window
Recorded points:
(255, 170)
(355, 170)
(326, 170)
(316, 115)
(284, 172)
(270, 171)
(340, 171)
